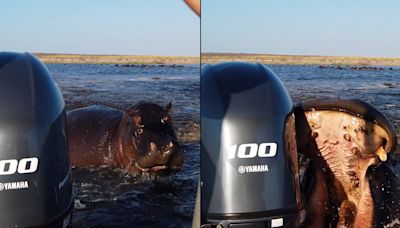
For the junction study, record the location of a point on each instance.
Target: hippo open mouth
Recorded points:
(344, 138)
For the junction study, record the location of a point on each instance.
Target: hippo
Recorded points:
(347, 143)
(141, 139)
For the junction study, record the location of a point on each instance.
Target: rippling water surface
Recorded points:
(107, 196)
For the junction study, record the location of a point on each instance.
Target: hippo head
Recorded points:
(348, 130)
(153, 145)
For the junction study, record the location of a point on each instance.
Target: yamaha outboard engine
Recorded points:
(249, 166)
(35, 177)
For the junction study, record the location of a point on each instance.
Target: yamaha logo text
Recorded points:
(14, 185)
(253, 168)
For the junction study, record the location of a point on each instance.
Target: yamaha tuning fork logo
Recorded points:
(252, 150)
(22, 166)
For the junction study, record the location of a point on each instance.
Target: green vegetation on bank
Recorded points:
(115, 59)
(299, 59)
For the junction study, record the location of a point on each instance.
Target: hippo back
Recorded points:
(90, 133)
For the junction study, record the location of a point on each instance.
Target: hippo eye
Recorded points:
(164, 120)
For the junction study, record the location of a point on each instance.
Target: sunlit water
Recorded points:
(106, 197)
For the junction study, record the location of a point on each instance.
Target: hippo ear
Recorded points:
(168, 107)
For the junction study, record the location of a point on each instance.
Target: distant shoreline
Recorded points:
(218, 57)
(115, 59)
(299, 59)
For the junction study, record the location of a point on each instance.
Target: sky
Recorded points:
(168, 27)
(306, 27)
(130, 27)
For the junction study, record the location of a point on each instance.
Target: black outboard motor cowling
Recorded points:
(35, 177)
(249, 166)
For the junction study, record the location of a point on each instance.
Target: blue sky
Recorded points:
(168, 27)
(310, 27)
(134, 27)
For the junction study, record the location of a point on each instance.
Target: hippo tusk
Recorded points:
(382, 154)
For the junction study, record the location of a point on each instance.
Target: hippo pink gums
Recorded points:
(342, 139)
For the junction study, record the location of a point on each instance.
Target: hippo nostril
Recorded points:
(169, 149)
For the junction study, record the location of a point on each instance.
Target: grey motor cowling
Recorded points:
(35, 176)
(249, 167)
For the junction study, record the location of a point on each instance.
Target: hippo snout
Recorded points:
(161, 157)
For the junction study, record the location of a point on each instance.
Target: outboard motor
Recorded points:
(249, 166)
(35, 175)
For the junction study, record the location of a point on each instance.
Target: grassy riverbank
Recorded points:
(299, 59)
(115, 59)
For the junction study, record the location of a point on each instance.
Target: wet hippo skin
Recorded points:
(343, 139)
(140, 139)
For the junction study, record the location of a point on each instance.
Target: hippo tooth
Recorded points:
(381, 153)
